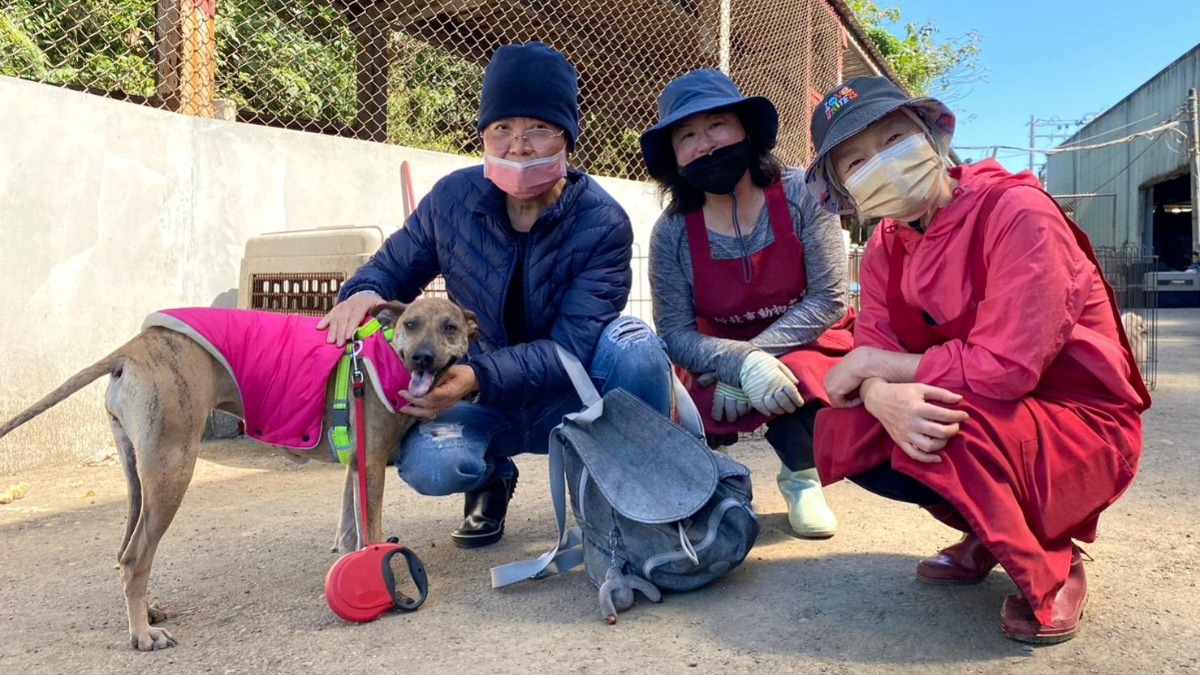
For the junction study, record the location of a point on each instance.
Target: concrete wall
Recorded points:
(1127, 169)
(109, 211)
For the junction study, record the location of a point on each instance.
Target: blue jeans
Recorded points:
(469, 445)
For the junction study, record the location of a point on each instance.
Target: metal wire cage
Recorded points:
(1130, 271)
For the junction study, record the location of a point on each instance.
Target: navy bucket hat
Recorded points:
(705, 91)
(853, 106)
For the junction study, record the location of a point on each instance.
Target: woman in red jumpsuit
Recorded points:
(991, 380)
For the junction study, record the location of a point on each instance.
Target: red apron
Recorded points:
(1027, 475)
(729, 307)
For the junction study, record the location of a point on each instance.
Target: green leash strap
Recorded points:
(340, 438)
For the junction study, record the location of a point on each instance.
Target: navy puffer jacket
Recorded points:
(577, 276)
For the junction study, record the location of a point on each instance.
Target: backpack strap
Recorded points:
(567, 554)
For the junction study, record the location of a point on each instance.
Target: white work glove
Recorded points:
(729, 403)
(769, 385)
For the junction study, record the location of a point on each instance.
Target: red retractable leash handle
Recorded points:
(361, 585)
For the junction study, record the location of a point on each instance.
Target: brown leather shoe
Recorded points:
(967, 562)
(1018, 622)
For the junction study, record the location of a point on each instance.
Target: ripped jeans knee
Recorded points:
(447, 455)
(632, 357)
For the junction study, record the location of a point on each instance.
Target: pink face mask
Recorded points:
(525, 180)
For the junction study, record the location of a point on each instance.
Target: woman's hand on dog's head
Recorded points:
(347, 316)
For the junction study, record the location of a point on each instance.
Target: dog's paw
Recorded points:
(346, 540)
(152, 640)
(156, 614)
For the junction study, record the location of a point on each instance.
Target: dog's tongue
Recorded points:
(420, 384)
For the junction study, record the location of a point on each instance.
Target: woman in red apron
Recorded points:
(991, 381)
(748, 277)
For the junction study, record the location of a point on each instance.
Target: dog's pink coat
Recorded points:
(281, 364)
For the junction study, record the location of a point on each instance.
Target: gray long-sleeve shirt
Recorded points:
(673, 291)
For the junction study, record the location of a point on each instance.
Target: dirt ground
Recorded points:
(241, 571)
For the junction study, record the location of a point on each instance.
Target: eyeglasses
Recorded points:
(540, 139)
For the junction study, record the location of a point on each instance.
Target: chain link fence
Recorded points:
(409, 71)
(1095, 214)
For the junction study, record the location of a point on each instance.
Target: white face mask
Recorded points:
(901, 182)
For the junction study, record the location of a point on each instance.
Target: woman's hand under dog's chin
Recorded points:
(458, 383)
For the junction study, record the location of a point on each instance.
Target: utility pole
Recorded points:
(1194, 151)
(1032, 126)
(1059, 126)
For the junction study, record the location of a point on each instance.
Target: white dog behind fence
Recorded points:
(1136, 329)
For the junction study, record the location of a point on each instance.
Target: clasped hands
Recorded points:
(920, 418)
(768, 387)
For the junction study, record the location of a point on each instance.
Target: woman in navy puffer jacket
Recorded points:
(541, 254)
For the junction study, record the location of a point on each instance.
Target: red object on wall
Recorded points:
(208, 7)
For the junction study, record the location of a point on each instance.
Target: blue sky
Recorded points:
(1053, 58)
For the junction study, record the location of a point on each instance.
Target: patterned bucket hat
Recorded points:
(853, 106)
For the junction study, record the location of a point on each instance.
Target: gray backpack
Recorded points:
(650, 498)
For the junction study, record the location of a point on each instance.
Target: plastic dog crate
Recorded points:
(300, 272)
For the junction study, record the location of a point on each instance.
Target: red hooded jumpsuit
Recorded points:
(1013, 314)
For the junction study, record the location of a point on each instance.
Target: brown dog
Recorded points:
(163, 387)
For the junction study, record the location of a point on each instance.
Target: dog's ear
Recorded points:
(472, 325)
(388, 314)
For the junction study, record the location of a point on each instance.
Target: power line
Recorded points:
(1141, 134)
(1000, 147)
(1173, 124)
(1058, 124)
(1105, 133)
(1131, 163)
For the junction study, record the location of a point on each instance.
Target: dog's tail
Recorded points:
(109, 365)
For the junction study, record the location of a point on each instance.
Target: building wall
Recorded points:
(1091, 171)
(110, 210)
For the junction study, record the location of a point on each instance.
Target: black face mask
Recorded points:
(719, 172)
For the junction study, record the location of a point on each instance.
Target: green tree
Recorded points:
(104, 44)
(287, 59)
(433, 97)
(19, 53)
(925, 66)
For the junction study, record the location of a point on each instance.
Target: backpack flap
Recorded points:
(728, 466)
(648, 468)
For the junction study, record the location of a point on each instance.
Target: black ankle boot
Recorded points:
(484, 510)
